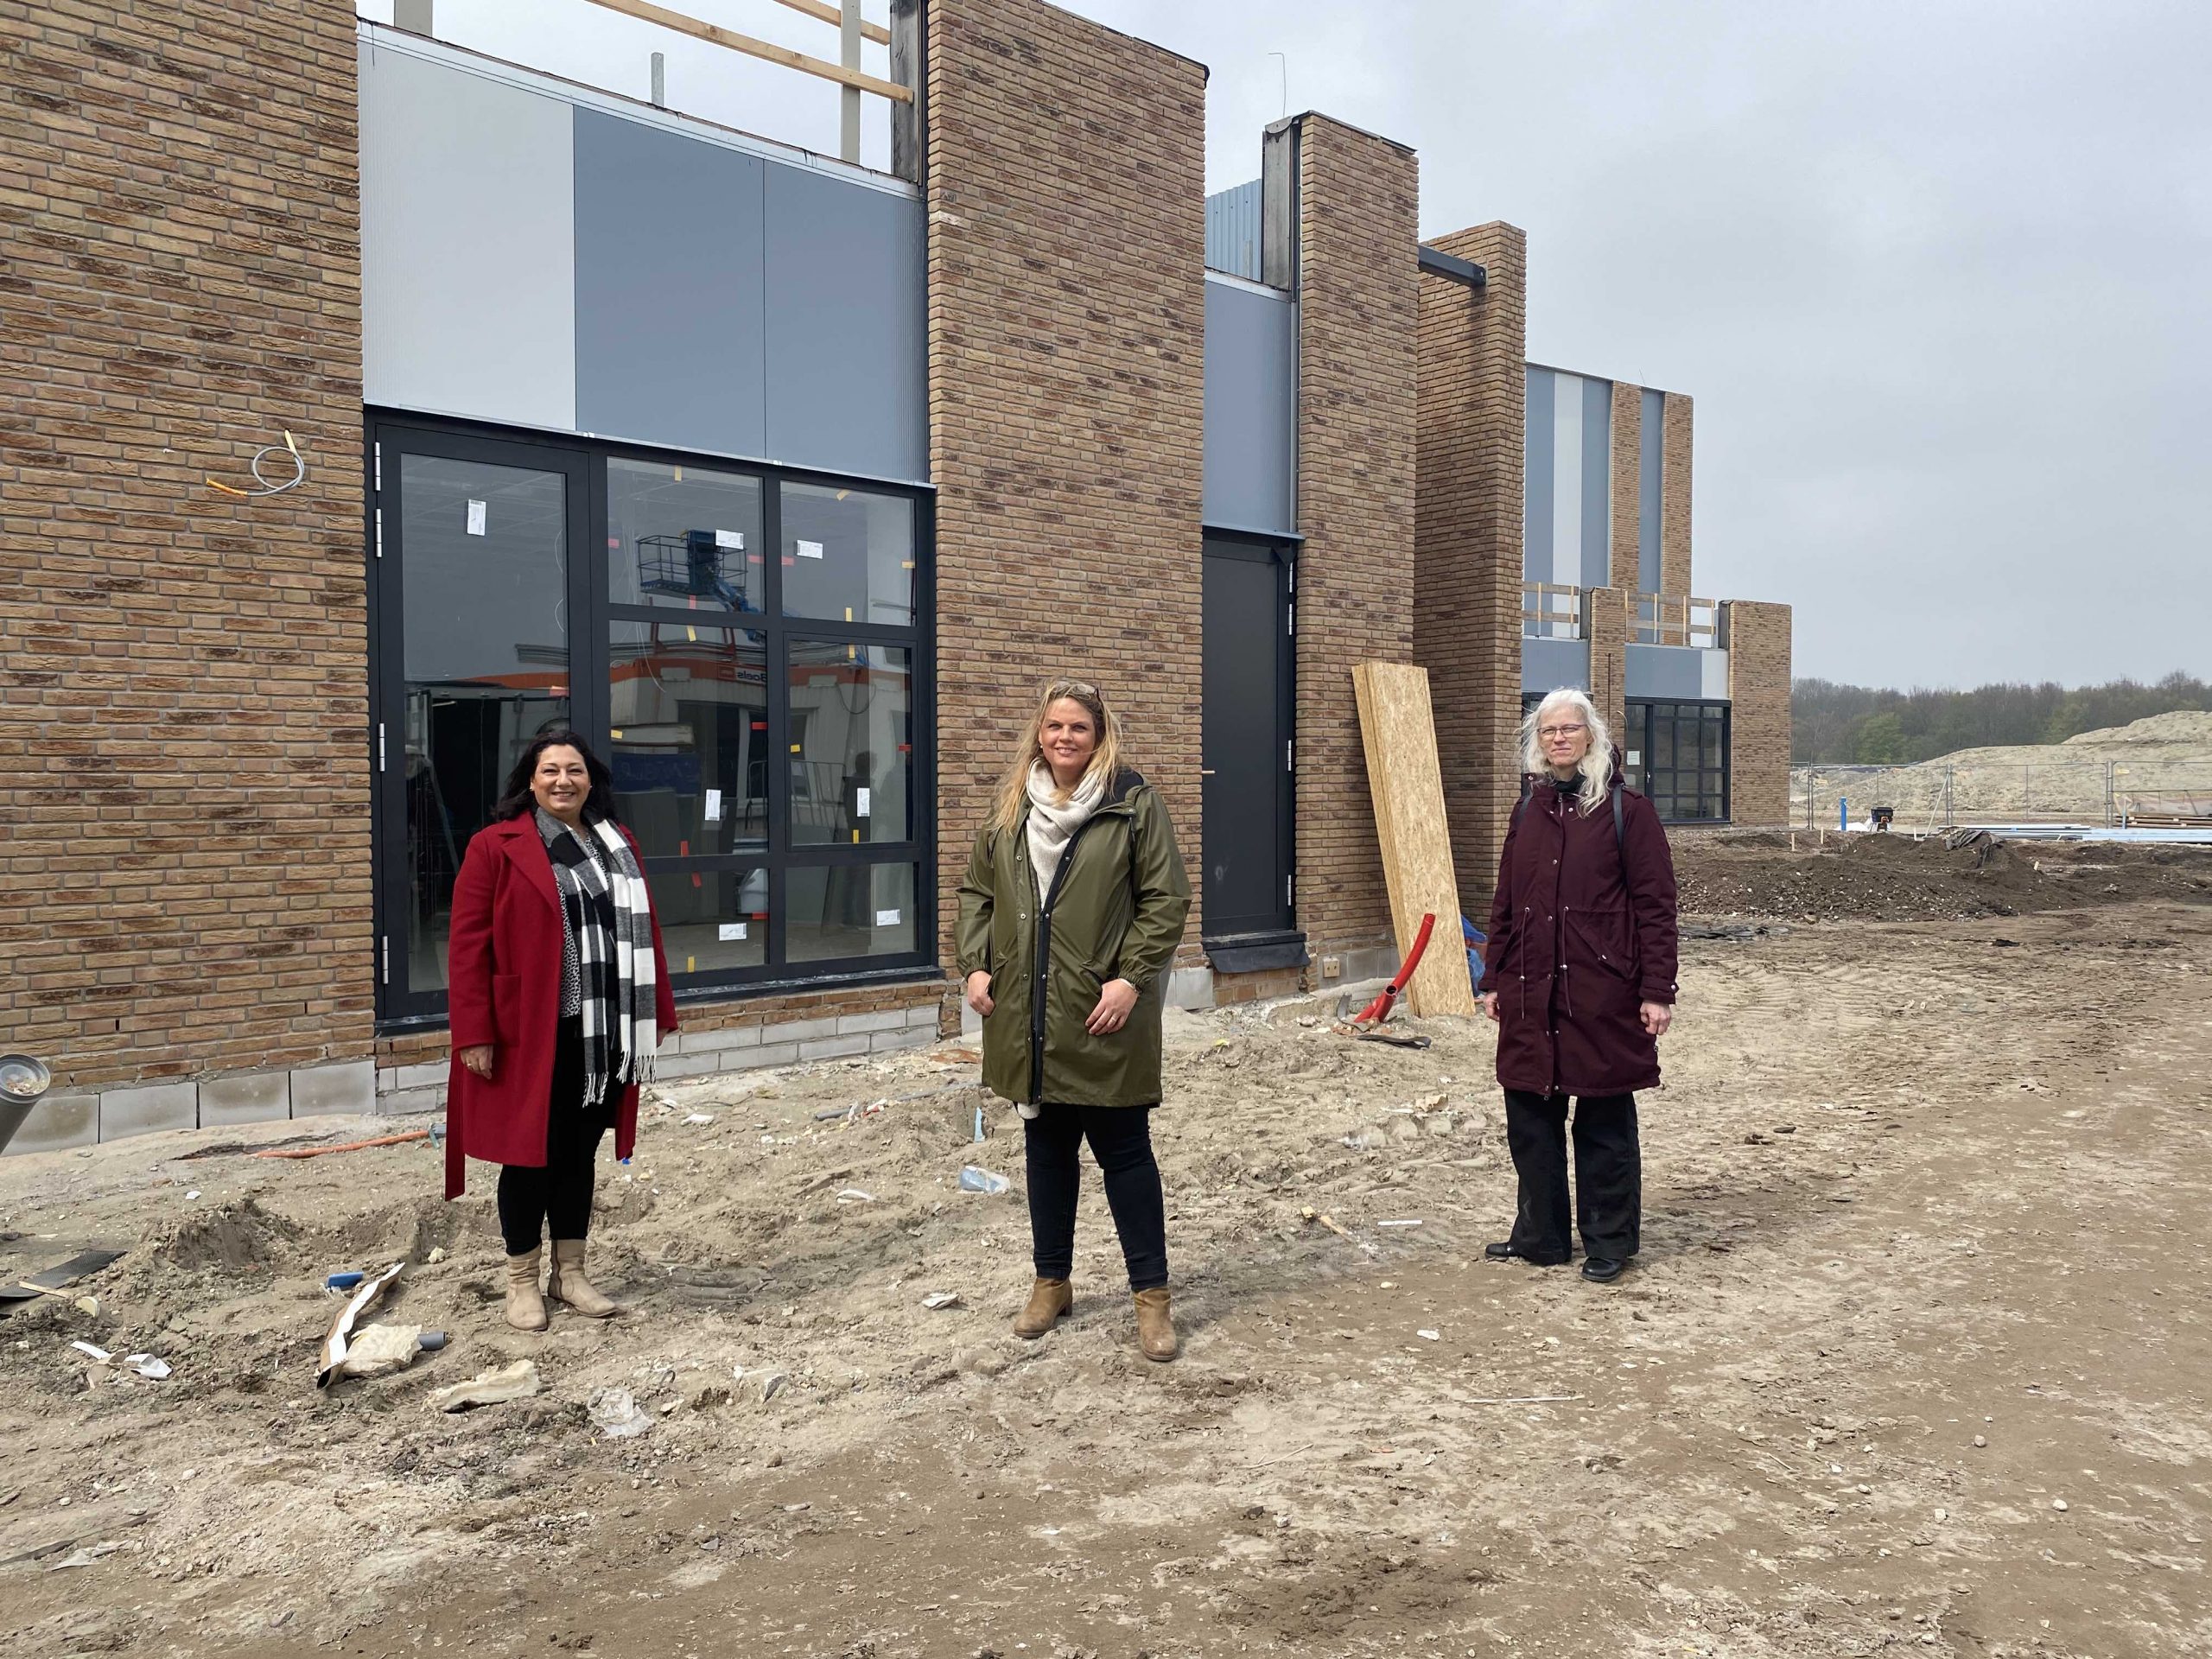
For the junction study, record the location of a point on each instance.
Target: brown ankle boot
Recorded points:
(1156, 1329)
(567, 1283)
(525, 1308)
(1048, 1299)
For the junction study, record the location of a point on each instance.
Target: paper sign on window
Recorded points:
(860, 803)
(476, 517)
(733, 539)
(714, 806)
(730, 931)
(887, 918)
(810, 549)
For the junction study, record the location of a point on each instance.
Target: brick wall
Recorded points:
(1758, 637)
(1474, 406)
(1358, 317)
(184, 868)
(1626, 485)
(1604, 624)
(1674, 495)
(1066, 182)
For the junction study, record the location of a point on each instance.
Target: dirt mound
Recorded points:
(1779, 876)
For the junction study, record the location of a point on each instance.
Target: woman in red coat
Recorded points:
(559, 997)
(1580, 976)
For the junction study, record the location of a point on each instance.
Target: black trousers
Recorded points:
(559, 1193)
(1608, 1175)
(1121, 1140)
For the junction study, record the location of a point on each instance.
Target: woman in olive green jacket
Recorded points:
(1069, 915)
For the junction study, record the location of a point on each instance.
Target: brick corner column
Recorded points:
(1473, 377)
(1625, 556)
(1675, 495)
(1757, 635)
(1358, 313)
(1604, 624)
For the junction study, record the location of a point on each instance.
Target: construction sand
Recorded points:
(1917, 1355)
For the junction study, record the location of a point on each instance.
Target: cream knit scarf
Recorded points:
(1052, 823)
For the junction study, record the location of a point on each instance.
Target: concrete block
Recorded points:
(58, 1122)
(408, 1103)
(884, 1041)
(671, 1068)
(717, 1042)
(324, 1090)
(971, 1023)
(1190, 987)
(148, 1108)
(923, 1014)
(250, 1097)
(881, 1019)
(831, 1048)
(767, 1054)
(801, 1030)
(429, 1074)
(1376, 962)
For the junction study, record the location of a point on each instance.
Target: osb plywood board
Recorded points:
(1408, 786)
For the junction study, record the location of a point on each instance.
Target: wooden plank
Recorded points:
(1407, 784)
(828, 14)
(644, 11)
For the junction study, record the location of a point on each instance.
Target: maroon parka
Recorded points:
(503, 975)
(1581, 934)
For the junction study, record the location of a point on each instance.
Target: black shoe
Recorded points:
(1504, 1250)
(1602, 1269)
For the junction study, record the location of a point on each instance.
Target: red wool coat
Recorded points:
(503, 971)
(1581, 934)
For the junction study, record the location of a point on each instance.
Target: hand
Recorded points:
(1489, 1000)
(479, 1060)
(979, 992)
(1658, 1016)
(1115, 998)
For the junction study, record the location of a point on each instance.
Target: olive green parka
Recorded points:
(1116, 911)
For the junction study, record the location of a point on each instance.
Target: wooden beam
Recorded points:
(828, 14)
(647, 12)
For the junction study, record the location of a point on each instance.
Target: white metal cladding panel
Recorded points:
(1251, 410)
(467, 244)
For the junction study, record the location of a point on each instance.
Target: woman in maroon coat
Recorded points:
(559, 995)
(1579, 973)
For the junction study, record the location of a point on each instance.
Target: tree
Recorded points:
(1878, 740)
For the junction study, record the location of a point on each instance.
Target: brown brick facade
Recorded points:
(1467, 565)
(1358, 315)
(1624, 554)
(1066, 167)
(1675, 495)
(1757, 637)
(183, 753)
(1604, 624)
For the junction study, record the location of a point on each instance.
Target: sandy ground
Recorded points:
(1916, 1356)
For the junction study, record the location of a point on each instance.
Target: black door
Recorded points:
(1249, 758)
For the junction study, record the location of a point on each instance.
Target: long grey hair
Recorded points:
(1597, 765)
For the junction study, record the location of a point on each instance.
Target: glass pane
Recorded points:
(484, 654)
(849, 554)
(688, 736)
(711, 921)
(1661, 757)
(1709, 731)
(849, 910)
(686, 536)
(852, 743)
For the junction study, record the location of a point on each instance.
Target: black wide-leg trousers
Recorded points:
(1608, 1203)
(556, 1196)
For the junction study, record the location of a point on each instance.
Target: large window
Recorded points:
(764, 717)
(1677, 753)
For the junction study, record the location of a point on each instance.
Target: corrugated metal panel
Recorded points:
(1233, 231)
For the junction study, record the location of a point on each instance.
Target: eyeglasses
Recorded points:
(1548, 733)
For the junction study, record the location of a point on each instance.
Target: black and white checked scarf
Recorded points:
(606, 950)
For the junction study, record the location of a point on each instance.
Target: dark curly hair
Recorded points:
(517, 798)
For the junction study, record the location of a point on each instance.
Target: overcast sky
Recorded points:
(1938, 275)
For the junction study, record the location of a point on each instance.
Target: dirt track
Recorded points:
(1906, 1187)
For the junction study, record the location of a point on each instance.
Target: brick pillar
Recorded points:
(184, 785)
(1066, 185)
(1358, 314)
(1467, 624)
(1627, 482)
(1604, 624)
(1675, 495)
(1757, 637)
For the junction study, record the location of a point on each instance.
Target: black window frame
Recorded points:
(387, 433)
(1640, 715)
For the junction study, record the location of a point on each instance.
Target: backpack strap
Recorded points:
(1620, 837)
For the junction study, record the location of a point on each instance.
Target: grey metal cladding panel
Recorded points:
(1537, 555)
(1251, 416)
(467, 244)
(1233, 231)
(669, 288)
(1650, 480)
(1597, 482)
(1547, 665)
(848, 347)
(1664, 672)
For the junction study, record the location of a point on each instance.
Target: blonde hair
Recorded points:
(1597, 765)
(1105, 760)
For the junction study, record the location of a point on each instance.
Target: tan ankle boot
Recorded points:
(1048, 1300)
(1156, 1329)
(525, 1308)
(567, 1283)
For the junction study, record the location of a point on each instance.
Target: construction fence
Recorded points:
(1933, 796)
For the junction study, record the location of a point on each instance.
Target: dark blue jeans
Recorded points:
(1121, 1140)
